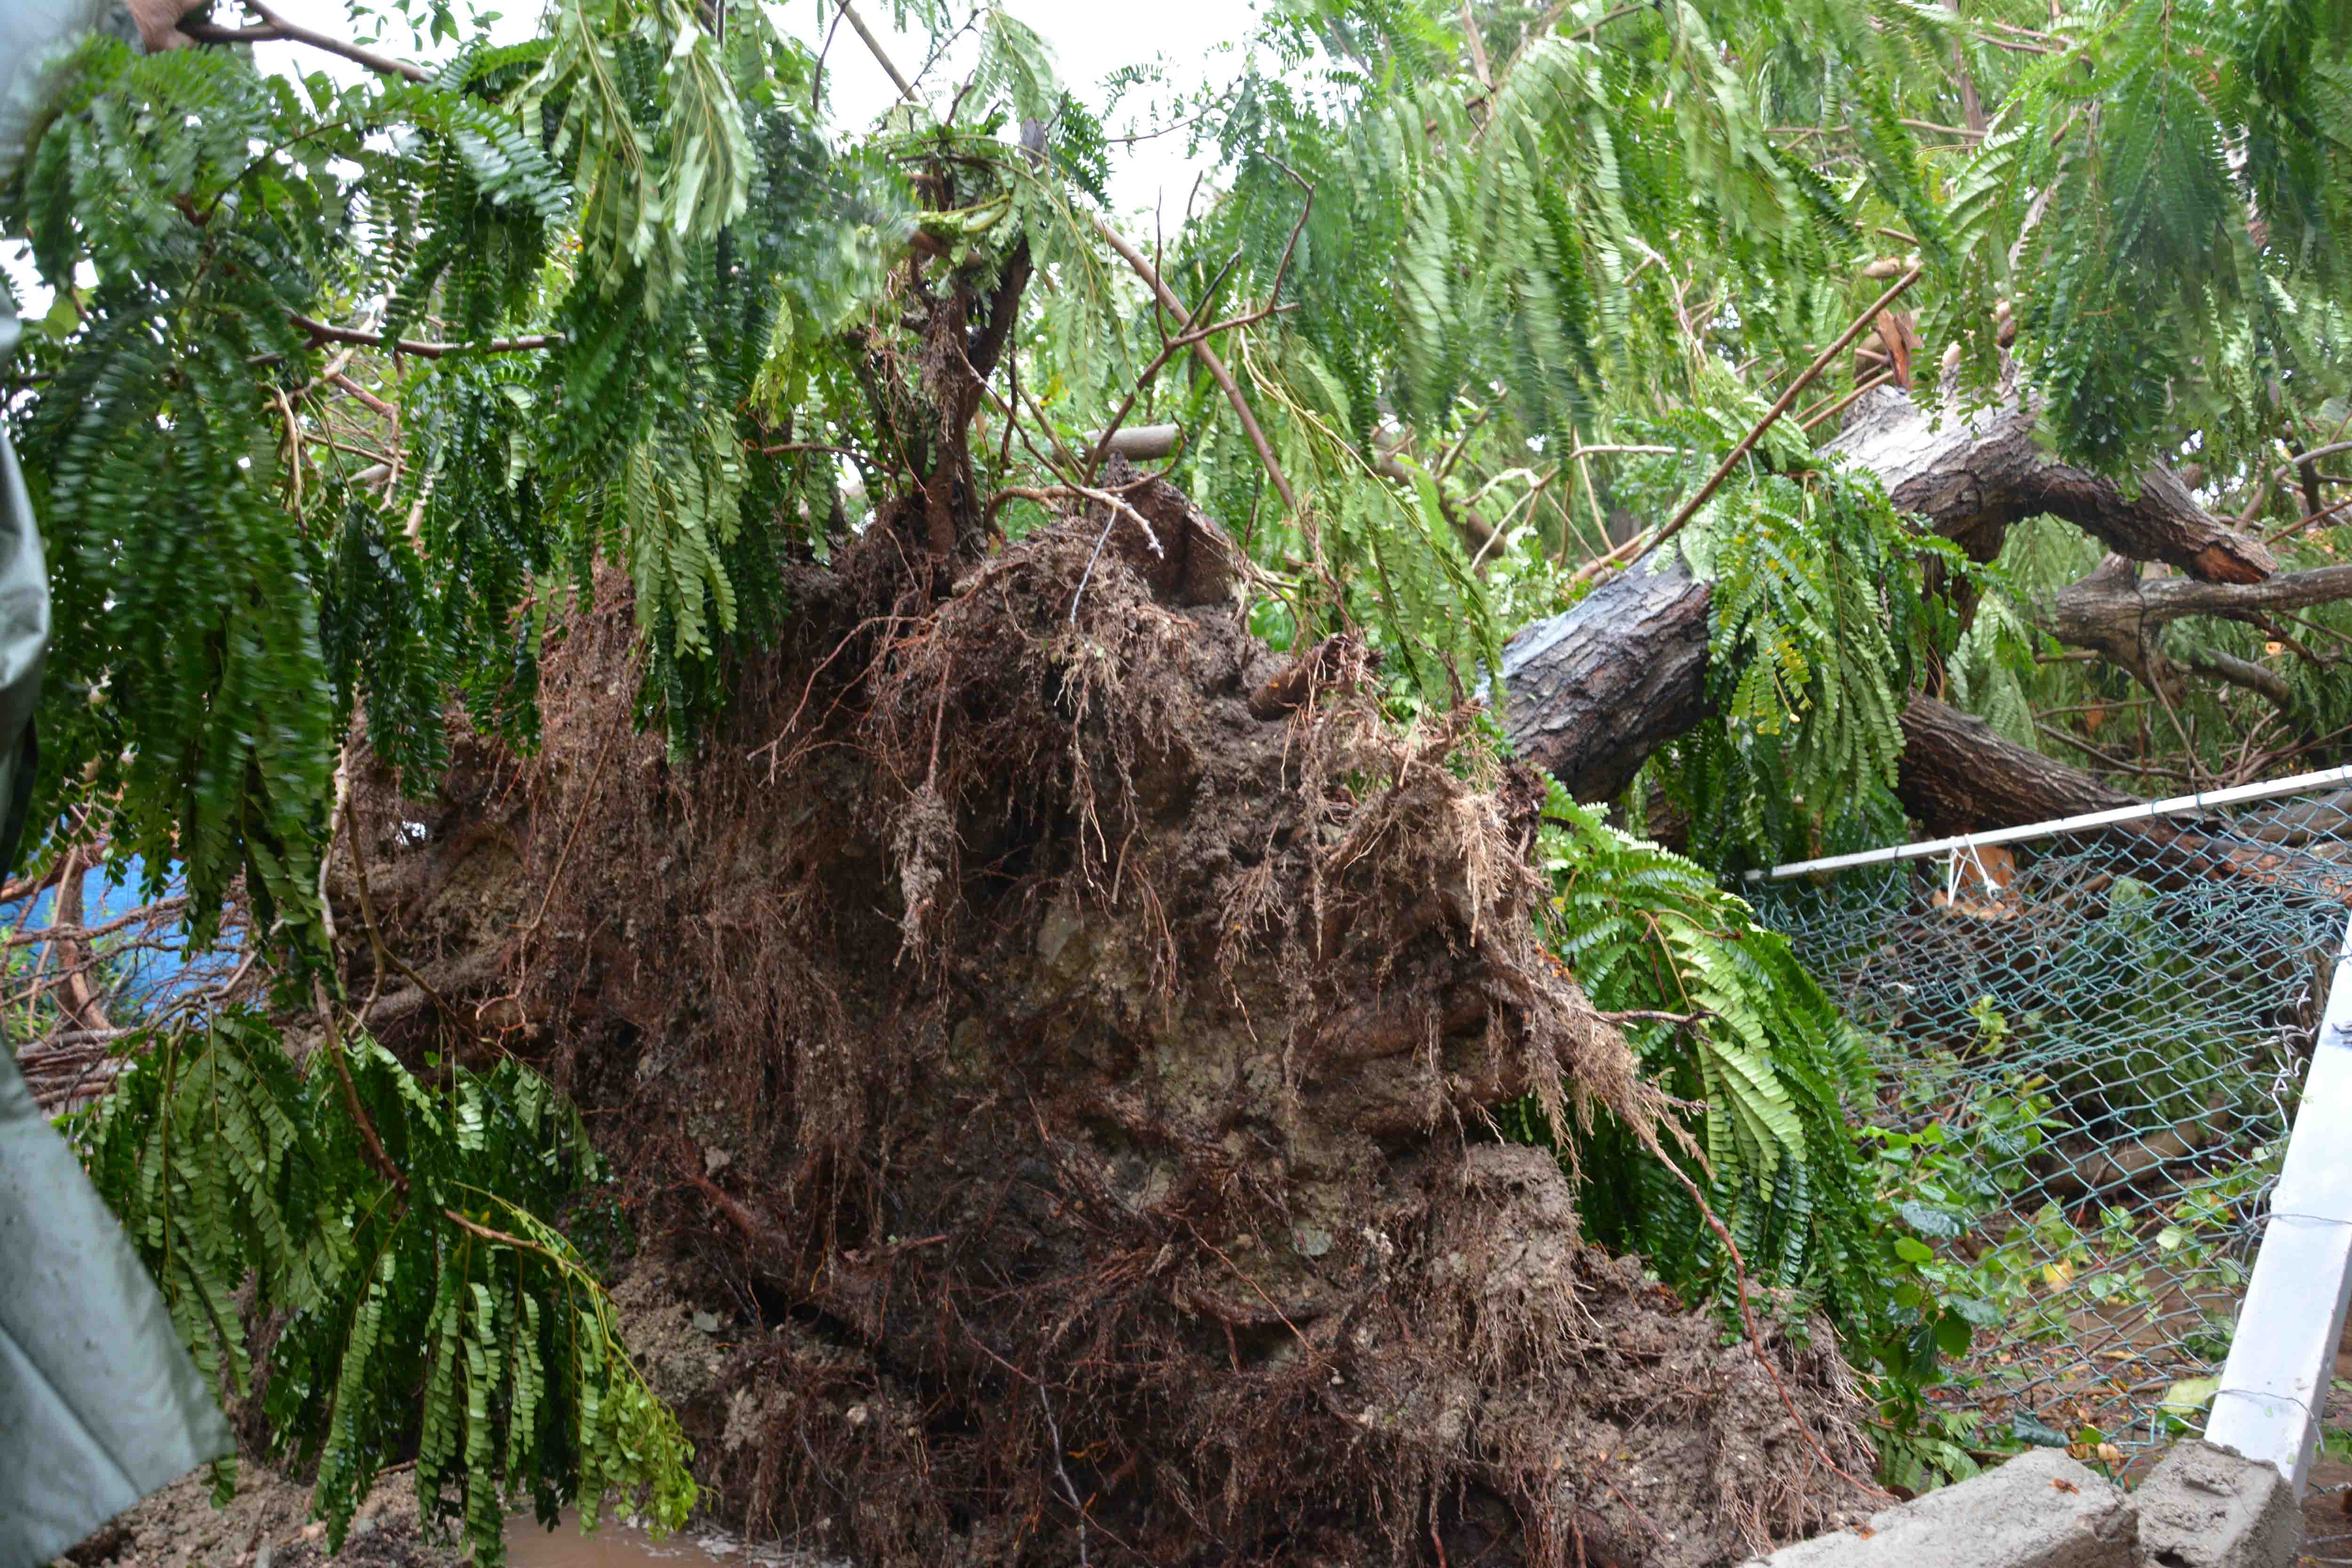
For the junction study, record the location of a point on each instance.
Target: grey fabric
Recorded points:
(33, 34)
(24, 626)
(99, 1404)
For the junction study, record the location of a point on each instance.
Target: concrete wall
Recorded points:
(2203, 1507)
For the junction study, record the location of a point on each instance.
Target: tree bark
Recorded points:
(1592, 692)
(1971, 477)
(2120, 615)
(1959, 774)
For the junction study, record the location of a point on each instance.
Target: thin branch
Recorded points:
(1210, 362)
(278, 29)
(323, 333)
(1478, 64)
(2268, 684)
(1731, 460)
(1608, 449)
(874, 47)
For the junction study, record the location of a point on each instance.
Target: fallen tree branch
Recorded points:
(2121, 616)
(1971, 476)
(1592, 692)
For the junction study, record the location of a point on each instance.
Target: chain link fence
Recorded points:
(2093, 1046)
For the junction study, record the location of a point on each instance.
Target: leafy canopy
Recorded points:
(349, 389)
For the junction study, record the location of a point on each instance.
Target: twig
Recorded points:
(1168, 346)
(1592, 28)
(1820, 363)
(321, 332)
(1607, 449)
(487, 1233)
(817, 74)
(278, 29)
(1731, 460)
(367, 399)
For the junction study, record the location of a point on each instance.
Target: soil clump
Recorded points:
(1064, 1090)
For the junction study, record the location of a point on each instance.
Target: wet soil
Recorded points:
(267, 1525)
(2327, 1495)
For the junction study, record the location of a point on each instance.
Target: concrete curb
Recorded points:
(2210, 1507)
(2203, 1507)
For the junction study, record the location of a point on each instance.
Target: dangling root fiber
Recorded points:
(1075, 1084)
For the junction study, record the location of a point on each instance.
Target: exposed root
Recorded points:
(1083, 1081)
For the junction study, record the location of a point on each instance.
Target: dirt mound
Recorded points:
(267, 1522)
(1071, 1085)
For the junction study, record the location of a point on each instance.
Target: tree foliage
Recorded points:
(400, 1232)
(349, 390)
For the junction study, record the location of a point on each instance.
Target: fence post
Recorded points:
(2275, 1385)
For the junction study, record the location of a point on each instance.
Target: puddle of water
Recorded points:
(620, 1544)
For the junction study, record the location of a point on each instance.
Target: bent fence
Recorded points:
(2117, 1034)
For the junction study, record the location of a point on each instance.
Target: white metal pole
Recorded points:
(2275, 1385)
(2138, 811)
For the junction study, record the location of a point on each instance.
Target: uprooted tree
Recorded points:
(638, 623)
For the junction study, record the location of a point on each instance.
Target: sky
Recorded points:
(1089, 40)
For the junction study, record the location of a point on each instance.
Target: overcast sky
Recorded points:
(1089, 40)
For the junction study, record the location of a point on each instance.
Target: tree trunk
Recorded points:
(1959, 774)
(1592, 692)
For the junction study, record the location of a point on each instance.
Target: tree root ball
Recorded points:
(1071, 1091)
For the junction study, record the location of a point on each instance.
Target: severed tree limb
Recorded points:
(1139, 443)
(2121, 616)
(1592, 692)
